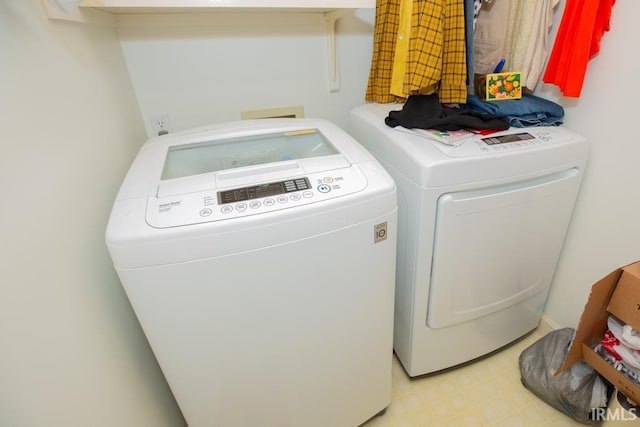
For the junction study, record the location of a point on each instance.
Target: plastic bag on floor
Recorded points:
(577, 391)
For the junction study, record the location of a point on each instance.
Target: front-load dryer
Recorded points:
(259, 258)
(480, 230)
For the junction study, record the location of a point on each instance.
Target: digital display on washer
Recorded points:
(263, 190)
(515, 137)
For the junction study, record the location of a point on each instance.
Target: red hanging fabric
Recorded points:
(577, 41)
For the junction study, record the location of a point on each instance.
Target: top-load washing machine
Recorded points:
(480, 230)
(259, 258)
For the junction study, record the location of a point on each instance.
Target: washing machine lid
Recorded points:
(245, 168)
(215, 155)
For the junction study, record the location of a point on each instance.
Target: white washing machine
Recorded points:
(259, 258)
(480, 230)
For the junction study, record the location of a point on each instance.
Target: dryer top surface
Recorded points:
(516, 151)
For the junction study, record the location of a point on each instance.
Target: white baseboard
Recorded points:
(546, 325)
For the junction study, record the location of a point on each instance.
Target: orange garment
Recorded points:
(578, 40)
(435, 56)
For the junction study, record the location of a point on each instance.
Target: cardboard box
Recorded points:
(499, 86)
(619, 294)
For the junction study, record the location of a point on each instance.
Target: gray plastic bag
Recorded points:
(577, 392)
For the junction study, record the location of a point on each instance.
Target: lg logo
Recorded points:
(380, 232)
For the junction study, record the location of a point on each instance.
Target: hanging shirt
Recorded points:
(519, 33)
(471, 10)
(578, 40)
(385, 33)
(527, 38)
(401, 54)
(490, 35)
(435, 58)
(538, 47)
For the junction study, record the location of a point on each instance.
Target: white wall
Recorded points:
(207, 68)
(605, 232)
(71, 350)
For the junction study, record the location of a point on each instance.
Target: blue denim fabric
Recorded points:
(528, 111)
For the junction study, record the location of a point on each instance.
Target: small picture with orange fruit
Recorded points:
(499, 86)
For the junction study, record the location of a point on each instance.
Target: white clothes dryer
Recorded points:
(259, 258)
(480, 231)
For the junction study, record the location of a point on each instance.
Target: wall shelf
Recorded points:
(195, 6)
(331, 9)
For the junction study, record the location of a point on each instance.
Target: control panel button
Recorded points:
(206, 212)
(301, 184)
(544, 136)
(290, 186)
(324, 188)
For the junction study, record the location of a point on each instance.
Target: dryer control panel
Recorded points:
(223, 204)
(514, 139)
(519, 140)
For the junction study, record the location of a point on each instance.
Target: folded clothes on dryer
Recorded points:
(426, 112)
(528, 111)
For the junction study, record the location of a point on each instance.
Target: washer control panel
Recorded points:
(218, 205)
(270, 189)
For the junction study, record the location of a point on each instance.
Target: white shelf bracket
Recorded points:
(331, 18)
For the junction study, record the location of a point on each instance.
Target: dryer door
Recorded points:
(495, 247)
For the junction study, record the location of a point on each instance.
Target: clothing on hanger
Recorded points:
(578, 39)
(435, 51)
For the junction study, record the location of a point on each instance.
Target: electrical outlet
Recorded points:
(160, 124)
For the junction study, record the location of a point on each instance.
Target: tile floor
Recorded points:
(487, 392)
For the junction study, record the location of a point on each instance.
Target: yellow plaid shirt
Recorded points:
(419, 48)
